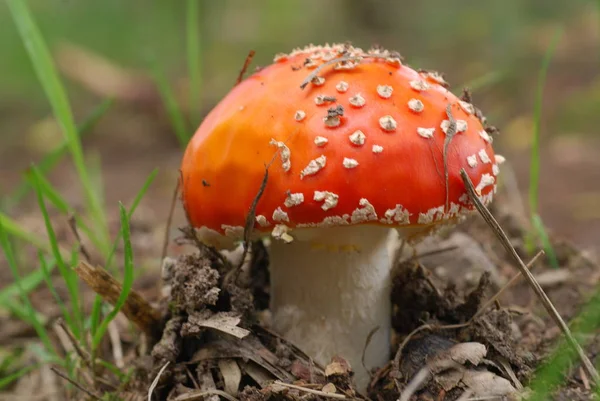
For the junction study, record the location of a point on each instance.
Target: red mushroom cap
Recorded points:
(362, 143)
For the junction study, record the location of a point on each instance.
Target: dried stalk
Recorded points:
(493, 224)
(247, 62)
(74, 383)
(136, 308)
(311, 391)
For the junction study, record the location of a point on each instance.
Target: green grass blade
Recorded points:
(46, 72)
(97, 306)
(113, 369)
(96, 314)
(5, 381)
(27, 310)
(95, 168)
(26, 284)
(14, 229)
(66, 272)
(551, 372)
(488, 79)
(132, 208)
(193, 56)
(127, 279)
(534, 169)
(46, 272)
(540, 230)
(23, 312)
(51, 159)
(61, 204)
(178, 121)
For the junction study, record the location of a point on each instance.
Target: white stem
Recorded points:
(330, 289)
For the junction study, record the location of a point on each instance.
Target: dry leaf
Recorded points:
(226, 324)
(232, 375)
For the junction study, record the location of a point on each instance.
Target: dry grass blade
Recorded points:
(506, 286)
(155, 381)
(104, 77)
(491, 221)
(450, 132)
(81, 352)
(117, 347)
(311, 391)
(170, 221)
(413, 386)
(199, 395)
(247, 62)
(136, 308)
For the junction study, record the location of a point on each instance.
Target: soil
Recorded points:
(217, 327)
(215, 338)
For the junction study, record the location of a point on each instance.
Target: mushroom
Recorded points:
(367, 150)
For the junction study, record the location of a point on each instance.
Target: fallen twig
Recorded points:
(311, 391)
(493, 224)
(81, 352)
(75, 231)
(136, 308)
(74, 383)
(198, 395)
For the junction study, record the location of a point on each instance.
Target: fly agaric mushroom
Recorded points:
(358, 146)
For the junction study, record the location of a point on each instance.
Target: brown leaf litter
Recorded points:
(215, 340)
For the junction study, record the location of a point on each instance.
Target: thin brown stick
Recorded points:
(83, 354)
(433, 252)
(450, 132)
(314, 74)
(311, 391)
(166, 238)
(364, 351)
(249, 223)
(493, 224)
(505, 287)
(136, 308)
(247, 62)
(193, 396)
(74, 383)
(192, 235)
(433, 327)
(75, 231)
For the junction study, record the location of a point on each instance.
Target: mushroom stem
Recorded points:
(330, 289)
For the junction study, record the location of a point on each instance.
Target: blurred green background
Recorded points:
(496, 47)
